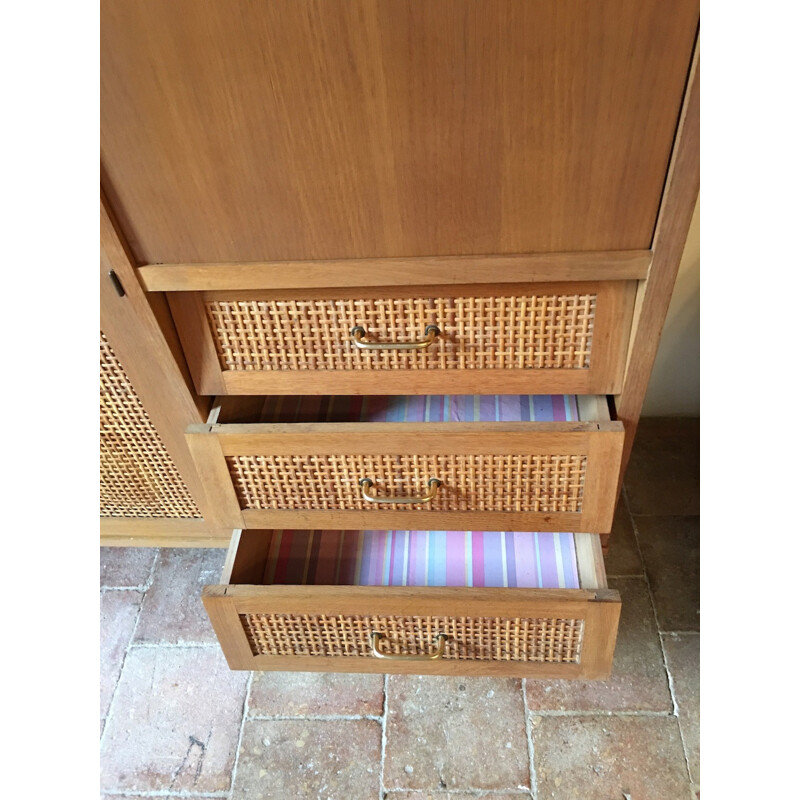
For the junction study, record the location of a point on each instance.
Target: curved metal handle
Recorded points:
(433, 487)
(375, 637)
(358, 334)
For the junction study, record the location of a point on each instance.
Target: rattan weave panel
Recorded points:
(546, 331)
(550, 641)
(470, 482)
(137, 476)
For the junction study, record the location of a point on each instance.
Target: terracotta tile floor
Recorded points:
(175, 721)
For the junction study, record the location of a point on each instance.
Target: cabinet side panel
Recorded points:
(652, 302)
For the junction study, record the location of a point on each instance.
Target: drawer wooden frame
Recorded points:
(241, 593)
(601, 443)
(413, 270)
(611, 330)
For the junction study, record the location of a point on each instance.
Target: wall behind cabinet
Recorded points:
(674, 389)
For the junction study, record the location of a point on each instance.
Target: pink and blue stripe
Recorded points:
(423, 408)
(424, 558)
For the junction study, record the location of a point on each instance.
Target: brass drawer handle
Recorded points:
(358, 334)
(376, 637)
(433, 484)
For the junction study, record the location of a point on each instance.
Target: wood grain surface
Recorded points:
(420, 271)
(238, 131)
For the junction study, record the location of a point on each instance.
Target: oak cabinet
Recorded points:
(314, 208)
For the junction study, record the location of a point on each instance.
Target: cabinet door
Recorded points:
(236, 131)
(149, 492)
(138, 478)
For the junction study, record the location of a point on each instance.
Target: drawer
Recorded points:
(549, 463)
(437, 602)
(540, 338)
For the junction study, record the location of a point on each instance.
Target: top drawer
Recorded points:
(559, 338)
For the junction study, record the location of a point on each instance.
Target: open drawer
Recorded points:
(551, 463)
(436, 602)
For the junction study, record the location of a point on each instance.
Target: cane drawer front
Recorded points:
(494, 476)
(566, 633)
(533, 338)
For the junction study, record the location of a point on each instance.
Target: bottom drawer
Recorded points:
(424, 602)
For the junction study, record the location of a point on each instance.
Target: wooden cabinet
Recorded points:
(404, 199)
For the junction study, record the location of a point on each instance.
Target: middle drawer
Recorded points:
(548, 463)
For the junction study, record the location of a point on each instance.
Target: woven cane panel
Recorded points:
(552, 331)
(470, 482)
(137, 476)
(548, 641)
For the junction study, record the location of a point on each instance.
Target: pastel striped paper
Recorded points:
(422, 408)
(423, 558)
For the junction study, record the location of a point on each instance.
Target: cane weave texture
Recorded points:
(549, 331)
(469, 482)
(549, 641)
(137, 476)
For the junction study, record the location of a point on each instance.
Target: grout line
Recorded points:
(245, 710)
(384, 719)
(534, 784)
(163, 793)
(148, 583)
(679, 633)
(600, 713)
(142, 587)
(675, 705)
(425, 794)
(313, 717)
(173, 645)
(680, 724)
(670, 681)
(683, 745)
(623, 577)
(646, 580)
(665, 515)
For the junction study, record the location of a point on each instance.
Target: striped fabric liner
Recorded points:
(423, 558)
(422, 408)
